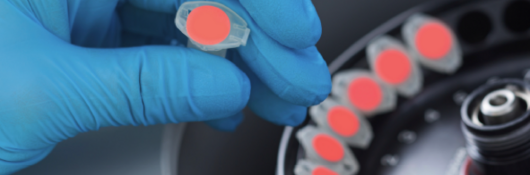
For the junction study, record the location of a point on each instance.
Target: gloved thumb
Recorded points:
(157, 84)
(59, 90)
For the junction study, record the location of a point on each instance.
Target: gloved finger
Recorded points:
(54, 18)
(294, 24)
(299, 76)
(81, 22)
(264, 103)
(228, 124)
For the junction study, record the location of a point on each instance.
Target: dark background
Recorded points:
(252, 148)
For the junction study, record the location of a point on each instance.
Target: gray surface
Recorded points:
(250, 150)
(124, 150)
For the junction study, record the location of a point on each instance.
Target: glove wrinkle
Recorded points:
(140, 91)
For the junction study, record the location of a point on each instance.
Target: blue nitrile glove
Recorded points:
(61, 74)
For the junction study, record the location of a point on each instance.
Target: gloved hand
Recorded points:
(61, 76)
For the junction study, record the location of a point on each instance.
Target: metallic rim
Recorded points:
(519, 94)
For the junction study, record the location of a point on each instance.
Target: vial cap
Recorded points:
(208, 25)
(393, 66)
(320, 170)
(433, 40)
(328, 147)
(365, 94)
(343, 121)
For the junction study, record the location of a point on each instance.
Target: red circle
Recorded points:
(343, 121)
(433, 40)
(393, 66)
(365, 94)
(328, 147)
(208, 25)
(320, 170)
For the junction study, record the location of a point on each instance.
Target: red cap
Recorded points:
(328, 148)
(393, 66)
(365, 94)
(320, 170)
(343, 121)
(208, 25)
(433, 40)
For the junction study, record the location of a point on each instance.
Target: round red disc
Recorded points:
(320, 170)
(343, 121)
(433, 40)
(393, 66)
(365, 94)
(208, 25)
(328, 148)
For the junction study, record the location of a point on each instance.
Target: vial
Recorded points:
(211, 26)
